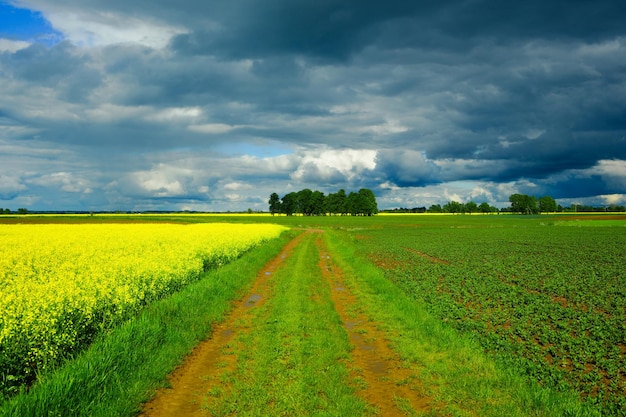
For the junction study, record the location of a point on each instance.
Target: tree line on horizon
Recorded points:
(309, 202)
(520, 204)
(20, 210)
(315, 203)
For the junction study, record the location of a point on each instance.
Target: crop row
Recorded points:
(550, 299)
(62, 284)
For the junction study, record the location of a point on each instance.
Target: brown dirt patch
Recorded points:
(389, 385)
(213, 357)
(594, 217)
(385, 262)
(426, 256)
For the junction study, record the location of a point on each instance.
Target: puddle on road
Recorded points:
(350, 324)
(252, 300)
(227, 333)
(378, 367)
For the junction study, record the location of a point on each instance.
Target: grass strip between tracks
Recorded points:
(124, 367)
(454, 371)
(292, 359)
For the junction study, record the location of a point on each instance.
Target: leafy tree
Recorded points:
(362, 203)
(524, 204)
(336, 202)
(304, 201)
(547, 204)
(289, 203)
(317, 204)
(484, 207)
(367, 201)
(452, 207)
(274, 203)
(22, 210)
(470, 207)
(435, 208)
(352, 203)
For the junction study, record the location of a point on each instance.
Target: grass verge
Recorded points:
(124, 367)
(454, 369)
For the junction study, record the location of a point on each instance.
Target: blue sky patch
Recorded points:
(26, 25)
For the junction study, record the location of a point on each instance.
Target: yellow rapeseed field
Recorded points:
(61, 283)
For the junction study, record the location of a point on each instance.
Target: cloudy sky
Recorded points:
(213, 105)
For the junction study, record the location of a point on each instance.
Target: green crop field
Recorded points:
(549, 299)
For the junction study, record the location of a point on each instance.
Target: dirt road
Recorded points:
(376, 375)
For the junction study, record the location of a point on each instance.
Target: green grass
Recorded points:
(125, 367)
(291, 362)
(592, 223)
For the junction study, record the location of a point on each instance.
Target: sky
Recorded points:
(214, 105)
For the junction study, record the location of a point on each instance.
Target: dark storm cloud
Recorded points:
(48, 66)
(335, 30)
(407, 168)
(506, 94)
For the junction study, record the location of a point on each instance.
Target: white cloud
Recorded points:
(534, 133)
(386, 128)
(159, 185)
(67, 181)
(174, 114)
(614, 198)
(611, 168)
(328, 163)
(613, 171)
(85, 27)
(10, 185)
(108, 112)
(8, 45)
(238, 186)
(211, 128)
(609, 47)
(234, 197)
(480, 193)
(162, 180)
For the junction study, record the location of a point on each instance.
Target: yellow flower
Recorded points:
(60, 282)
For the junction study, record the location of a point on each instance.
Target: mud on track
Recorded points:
(390, 386)
(378, 375)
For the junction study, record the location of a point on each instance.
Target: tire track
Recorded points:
(214, 357)
(387, 384)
